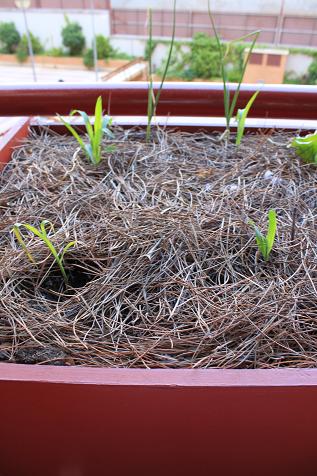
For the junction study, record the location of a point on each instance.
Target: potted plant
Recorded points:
(170, 405)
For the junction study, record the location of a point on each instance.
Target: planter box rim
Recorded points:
(177, 99)
(283, 377)
(170, 377)
(171, 85)
(190, 123)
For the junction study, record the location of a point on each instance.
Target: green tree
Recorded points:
(73, 38)
(22, 51)
(89, 58)
(104, 48)
(104, 51)
(9, 37)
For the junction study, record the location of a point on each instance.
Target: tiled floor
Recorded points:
(23, 74)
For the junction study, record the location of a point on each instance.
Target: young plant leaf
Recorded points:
(241, 117)
(73, 132)
(306, 147)
(265, 243)
(18, 236)
(271, 232)
(95, 132)
(42, 234)
(261, 242)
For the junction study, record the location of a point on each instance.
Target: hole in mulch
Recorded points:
(53, 287)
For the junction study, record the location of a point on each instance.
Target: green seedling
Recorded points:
(230, 104)
(306, 147)
(153, 99)
(95, 132)
(42, 234)
(265, 243)
(241, 117)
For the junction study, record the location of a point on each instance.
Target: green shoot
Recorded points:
(241, 117)
(94, 132)
(153, 99)
(265, 243)
(306, 147)
(229, 105)
(42, 234)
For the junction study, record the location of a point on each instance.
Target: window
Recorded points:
(256, 58)
(274, 60)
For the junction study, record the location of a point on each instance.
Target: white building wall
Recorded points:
(298, 63)
(48, 24)
(130, 45)
(136, 47)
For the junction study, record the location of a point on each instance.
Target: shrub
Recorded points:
(312, 72)
(204, 58)
(117, 54)
(73, 38)
(201, 59)
(22, 51)
(233, 75)
(179, 65)
(291, 77)
(104, 48)
(55, 52)
(104, 51)
(89, 58)
(9, 37)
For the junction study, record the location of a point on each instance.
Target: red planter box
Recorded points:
(85, 421)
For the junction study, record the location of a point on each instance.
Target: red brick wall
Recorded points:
(297, 31)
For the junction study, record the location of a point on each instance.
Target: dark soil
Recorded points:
(165, 272)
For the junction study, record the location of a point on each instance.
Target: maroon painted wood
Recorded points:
(11, 139)
(66, 421)
(83, 422)
(177, 99)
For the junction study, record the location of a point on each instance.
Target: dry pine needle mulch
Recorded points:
(165, 272)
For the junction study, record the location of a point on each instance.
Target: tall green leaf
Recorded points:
(229, 105)
(153, 99)
(270, 237)
(241, 117)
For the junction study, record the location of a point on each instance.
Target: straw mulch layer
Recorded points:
(166, 271)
